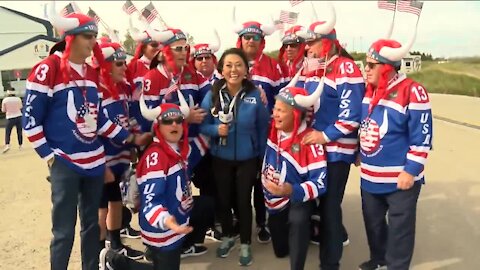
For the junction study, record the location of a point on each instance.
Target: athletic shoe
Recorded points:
(194, 250)
(263, 235)
(346, 242)
(371, 265)
(129, 232)
(110, 260)
(225, 247)
(130, 253)
(5, 149)
(245, 255)
(214, 235)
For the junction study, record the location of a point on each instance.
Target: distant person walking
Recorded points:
(12, 107)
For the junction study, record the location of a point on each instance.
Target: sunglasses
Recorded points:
(291, 45)
(169, 121)
(255, 37)
(88, 36)
(372, 65)
(153, 44)
(120, 63)
(201, 58)
(183, 48)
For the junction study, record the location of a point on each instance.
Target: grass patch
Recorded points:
(438, 81)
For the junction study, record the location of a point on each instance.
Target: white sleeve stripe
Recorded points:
(151, 175)
(417, 159)
(351, 80)
(71, 84)
(420, 148)
(189, 87)
(38, 87)
(34, 131)
(419, 106)
(39, 142)
(317, 165)
(104, 127)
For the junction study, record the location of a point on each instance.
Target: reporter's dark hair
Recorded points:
(218, 85)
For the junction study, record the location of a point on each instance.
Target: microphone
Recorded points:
(225, 117)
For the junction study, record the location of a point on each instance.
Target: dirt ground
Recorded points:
(448, 220)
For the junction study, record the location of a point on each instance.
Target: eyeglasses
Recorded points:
(201, 58)
(153, 44)
(255, 37)
(88, 36)
(170, 121)
(291, 45)
(371, 65)
(120, 63)
(180, 48)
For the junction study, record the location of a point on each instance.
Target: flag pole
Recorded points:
(390, 31)
(160, 19)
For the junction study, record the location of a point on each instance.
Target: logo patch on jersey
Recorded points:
(251, 100)
(295, 148)
(393, 95)
(187, 77)
(371, 134)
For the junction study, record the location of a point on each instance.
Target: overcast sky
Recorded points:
(446, 28)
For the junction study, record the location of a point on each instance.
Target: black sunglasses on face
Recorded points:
(169, 121)
(180, 48)
(255, 37)
(201, 58)
(291, 45)
(372, 65)
(120, 63)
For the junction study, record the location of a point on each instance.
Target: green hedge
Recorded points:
(437, 81)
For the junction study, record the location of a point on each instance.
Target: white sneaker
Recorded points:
(5, 149)
(20, 148)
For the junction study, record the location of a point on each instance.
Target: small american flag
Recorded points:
(387, 4)
(295, 2)
(67, 10)
(414, 6)
(172, 88)
(93, 15)
(129, 7)
(288, 17)
(149, 13)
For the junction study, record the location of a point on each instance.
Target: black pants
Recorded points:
(17, 123)
(290, 233)
(259, 200)
(166, 260)
(331, 228)
(201, 217)
(391, 243)
(203, 179)
(238, 177)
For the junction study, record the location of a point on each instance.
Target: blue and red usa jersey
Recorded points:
(63, 120)
(160, 88)
(138, 68)
(302, 166)
(165, 191)
(267, 74)
(117, 110)
(396, 136)
(338, 112)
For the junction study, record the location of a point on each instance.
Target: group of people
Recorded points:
(286, 130)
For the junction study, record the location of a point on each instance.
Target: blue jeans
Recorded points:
(70, 189)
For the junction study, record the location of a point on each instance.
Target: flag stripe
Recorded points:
(295, 2)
